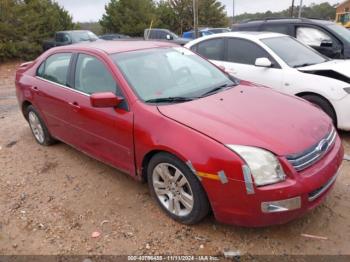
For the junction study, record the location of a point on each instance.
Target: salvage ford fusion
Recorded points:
(202, 140)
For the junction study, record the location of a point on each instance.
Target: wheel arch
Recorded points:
(302, 94)
(24, 107)
(149, 155)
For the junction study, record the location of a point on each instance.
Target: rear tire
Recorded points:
(323, 104)
(38, 127)
(176, 189)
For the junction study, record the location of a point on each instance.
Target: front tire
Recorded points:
(176, 189)
(324, 105)
(38, 127)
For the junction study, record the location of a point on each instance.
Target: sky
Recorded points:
(92, 10)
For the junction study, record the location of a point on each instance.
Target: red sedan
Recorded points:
(200, 138)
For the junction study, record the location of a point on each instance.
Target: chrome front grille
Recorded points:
(315, 153)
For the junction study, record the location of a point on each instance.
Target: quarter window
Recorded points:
(212, 49)
(92, 76)
(244, 52)
(55, 68)
(312, 36)
(282, 29)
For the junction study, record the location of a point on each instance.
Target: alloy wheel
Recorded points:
(36, 127)
(173, 189)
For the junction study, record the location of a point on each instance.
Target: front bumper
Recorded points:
(342, 109)
(291, 199)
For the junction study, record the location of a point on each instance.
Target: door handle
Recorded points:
(74, 105)
(35, 89)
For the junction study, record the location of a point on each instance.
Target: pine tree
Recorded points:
(129, 17)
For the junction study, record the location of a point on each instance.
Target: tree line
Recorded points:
(321, 11)
(25, 24)
(131, 17)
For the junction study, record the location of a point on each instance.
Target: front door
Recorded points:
(105, 133)
(240, 61)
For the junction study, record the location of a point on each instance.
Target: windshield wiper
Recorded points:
(217, 89)
(302, 65)
(175, 99)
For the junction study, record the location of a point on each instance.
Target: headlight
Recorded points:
(264, 166)
(347, 90)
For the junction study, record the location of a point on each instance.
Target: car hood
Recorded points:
(338, 69)
(254, 116)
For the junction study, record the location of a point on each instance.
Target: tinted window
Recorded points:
(312, 36)
(55, 68)
(81, 36)
(60, 37)
(92, 76)
(282, 29)
(244, 52)
(246, 28)
(152, 34)
(340, 31)
(212, 49)
(162, 35)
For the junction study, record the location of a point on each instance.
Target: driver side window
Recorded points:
(312, 36)
(245, 52)
(92, 76)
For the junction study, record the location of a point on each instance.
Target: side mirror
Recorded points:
(263, 62)
(104, 100)
(169, 37)
(326, 43)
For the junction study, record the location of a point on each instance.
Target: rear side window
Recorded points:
(244, 51)
(162, 35)
(55, 68)
(92, 76)
(282, 29)
(153, 34)
(212, 49)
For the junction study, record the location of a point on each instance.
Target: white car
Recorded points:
(285, 64)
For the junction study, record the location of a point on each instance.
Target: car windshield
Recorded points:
(175, 72)
(294, 53)
(84, 36)
(340, 31)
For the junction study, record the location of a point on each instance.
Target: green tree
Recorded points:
(183, 13)
(25, 24)
(166, 17)
(321, 11)
(212, 13)
(129, 17)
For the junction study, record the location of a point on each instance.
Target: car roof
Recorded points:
(111, 47)
(253, 36)
(285, 21)
(245, 34)
(73, 31)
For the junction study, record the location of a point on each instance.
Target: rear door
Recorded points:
(104, 133)
(51, 90)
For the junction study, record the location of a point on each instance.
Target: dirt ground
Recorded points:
(53, 198)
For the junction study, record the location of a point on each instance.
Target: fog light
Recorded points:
(281, 206)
